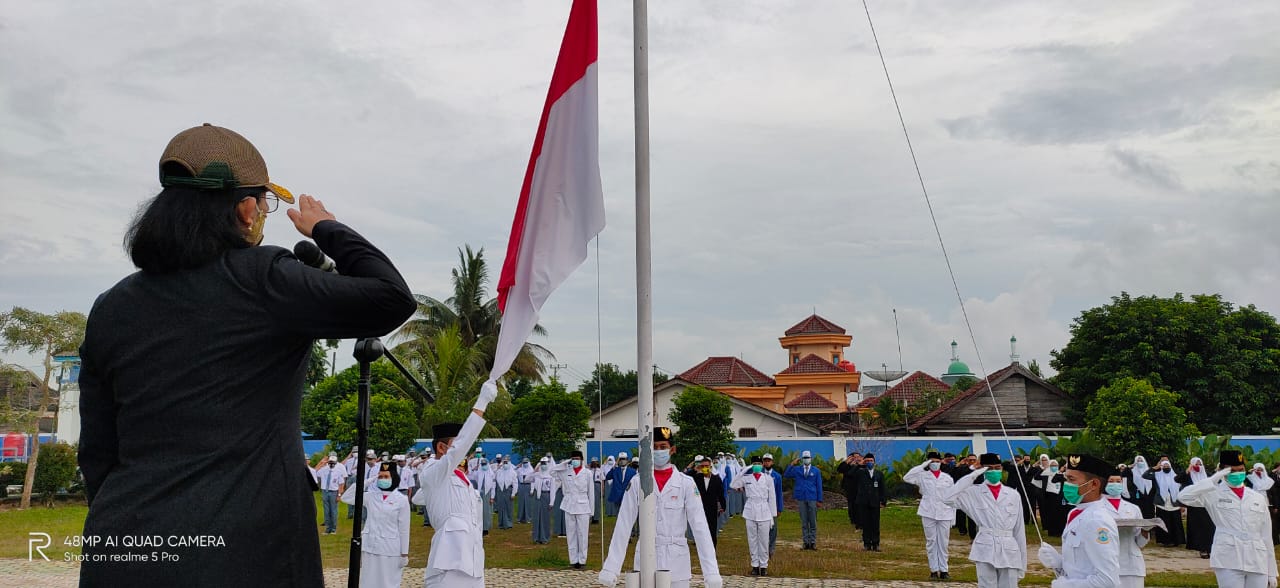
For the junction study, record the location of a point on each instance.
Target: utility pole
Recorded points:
(555, 370)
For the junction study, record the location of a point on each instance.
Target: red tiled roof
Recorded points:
(981, 387)
(811, 399)
(911, 389)
(812, 364)
(717, 371)
(815, 325)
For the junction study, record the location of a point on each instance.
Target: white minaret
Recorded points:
(1013, 350)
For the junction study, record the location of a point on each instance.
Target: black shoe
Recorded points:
(933, 575)
(764, 571)
(755, 571)
(944, 576)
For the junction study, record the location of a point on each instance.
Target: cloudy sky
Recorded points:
(1073, 150)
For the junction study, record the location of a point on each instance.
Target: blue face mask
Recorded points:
(577, 463)
(384, 483)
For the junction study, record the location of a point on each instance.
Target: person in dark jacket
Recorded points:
(847, 468)
(711, 489)
(960, 470)
(1164, 492)
(193, 370)
(870, 500)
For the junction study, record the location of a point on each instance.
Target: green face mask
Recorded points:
(1071, 493)
(1235, 479)
(993, 476)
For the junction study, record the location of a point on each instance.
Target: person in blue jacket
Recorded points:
(808, 495)
(619, 477)
(767, 462)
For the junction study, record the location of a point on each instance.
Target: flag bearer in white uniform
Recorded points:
(456, 558)
(1090, 542)
(577, 483)
(678, 508)
(384, 539)
(1133, 567)
(935, 515)
(759, 510)
(1000, 549)
(1242, 554)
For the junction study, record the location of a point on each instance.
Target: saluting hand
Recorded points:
(309, 212)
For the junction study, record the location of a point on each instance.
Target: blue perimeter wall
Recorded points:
(886, 449)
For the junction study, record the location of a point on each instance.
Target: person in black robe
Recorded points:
(711, 489)
(1139, 487)
(965, 524)
(847, 469)
(193, 371)
(1164, 495)
(1200, 528)
(1273, 500)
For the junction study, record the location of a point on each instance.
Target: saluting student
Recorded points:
(1200, 529)
(384, 538)
(1242, 554)
(1090, 555)
(577, 485)
(544, 487)
(807, 493)
(936, 516)
(999, 550)
(507, 485)
(759, 513)
(1133, 567)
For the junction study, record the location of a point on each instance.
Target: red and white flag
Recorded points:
(561, 204)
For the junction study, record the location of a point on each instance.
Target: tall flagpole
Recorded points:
(645, 560)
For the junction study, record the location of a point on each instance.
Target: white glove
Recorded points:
(488, 393)
(1220, 474)
(607, 578)
(717, 582)
(404, 561)
(1049, 557)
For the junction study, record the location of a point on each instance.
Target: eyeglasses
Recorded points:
(273, 201)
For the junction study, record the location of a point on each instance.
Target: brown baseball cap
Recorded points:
(216, 158)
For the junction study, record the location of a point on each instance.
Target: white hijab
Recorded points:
(609, 464)
(1168, 484)
(1260, 483)
(1049, 485)
(1139, 468)
(1196, 476)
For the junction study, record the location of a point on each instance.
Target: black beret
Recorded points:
(662, 434)
(1230, 457)
(869, 456)
(757, 459)
(575, 453)
(934, 455)
(1090, 465)
(444, 431)
(988, 459)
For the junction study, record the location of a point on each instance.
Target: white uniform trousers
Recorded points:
(758, 542)
(379, 571)
(1138, 582)
(990, 576)
(936, 535)
(1239, 578)
(576, 526)
(451, 579)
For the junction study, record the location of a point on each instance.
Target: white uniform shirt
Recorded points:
(331, 478)
(386, 530)
(679, 508)
(761, 503)
(542, 483)
(1002, 538)
(406, 477)
(1090, 548)
(484, 480)
(524, 472)
(1131, 540)
(932, 489)
(454, 509)
(1243, 538)
(506, 479)
(578, 488)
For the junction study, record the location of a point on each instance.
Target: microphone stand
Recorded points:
(366, 352)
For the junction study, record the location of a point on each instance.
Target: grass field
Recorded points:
(839, 553)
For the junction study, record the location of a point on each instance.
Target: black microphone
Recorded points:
(308, 253)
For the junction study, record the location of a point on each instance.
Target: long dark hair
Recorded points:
(184, 228)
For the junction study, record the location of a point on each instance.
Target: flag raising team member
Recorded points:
(1242, 554)
(1090, 555)
(384, 539)
(936, 516)
(1133, 567)
(577, 484)
(1000, 548)
(759, 513)
(678, 508)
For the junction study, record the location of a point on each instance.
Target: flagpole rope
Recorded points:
(951, 272)
(600, 399)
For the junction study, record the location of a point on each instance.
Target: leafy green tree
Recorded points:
(56, 470)
(1131, 417)
(477, 319)
(1034, 367)
(46, 334)
(548, 419)
(702, 418)
(318, 365)
(964, 383)
(615, 384)
(453, 372)
(393, 425)
(321, 402)
(1222, 362)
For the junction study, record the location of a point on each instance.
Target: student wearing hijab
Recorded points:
(1260, 479)
(1140, 487)
(544, 487)
(507, 485)
(384, 538)
(1164, 494)
(999, 550)
(1038, 480)
(482, 478)
(606, 486)
(759, 512)
(1242, 553)
(577, 484)
(1053, 510)
(1133, 567)
(524, 495)
(936, 516)
(1200, 528)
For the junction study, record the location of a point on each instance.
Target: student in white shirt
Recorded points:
(384, 537)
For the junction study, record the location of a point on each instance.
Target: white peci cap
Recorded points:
(806, 453)
(766, 456)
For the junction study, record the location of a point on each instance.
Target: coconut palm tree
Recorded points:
(476, 318)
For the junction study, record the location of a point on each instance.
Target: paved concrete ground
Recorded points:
(66, 575)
